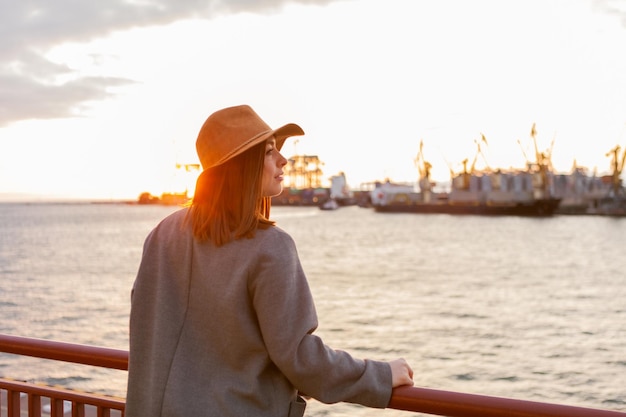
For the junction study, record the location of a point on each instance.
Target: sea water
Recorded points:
(528, 308)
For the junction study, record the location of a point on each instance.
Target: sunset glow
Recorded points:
(107, 110)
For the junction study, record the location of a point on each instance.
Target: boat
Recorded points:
(330, 204)
(590, 194)
(512, 192)
(339, 194)
(391, 198)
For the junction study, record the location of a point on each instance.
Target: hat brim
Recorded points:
(281, 134)
(286, 131)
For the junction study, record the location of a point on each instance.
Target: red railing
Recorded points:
(424, 400)
(40, 400)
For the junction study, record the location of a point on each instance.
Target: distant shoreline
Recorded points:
(62, 201)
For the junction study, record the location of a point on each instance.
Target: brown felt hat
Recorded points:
(233, 130)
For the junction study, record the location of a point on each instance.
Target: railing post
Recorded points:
(56, 407)
(13, 403)
(78, 409)
(34, 405)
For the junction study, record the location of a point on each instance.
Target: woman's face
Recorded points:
(273, 169)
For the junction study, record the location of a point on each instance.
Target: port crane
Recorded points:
(423, 168)
(617, 167)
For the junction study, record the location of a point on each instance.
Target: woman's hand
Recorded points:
(401, 373)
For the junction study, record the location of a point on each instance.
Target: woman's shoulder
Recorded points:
(274, 232)
(173, 222)
(274, 237)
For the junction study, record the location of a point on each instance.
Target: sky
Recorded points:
(101, 100)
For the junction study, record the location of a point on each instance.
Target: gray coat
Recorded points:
(228, 331)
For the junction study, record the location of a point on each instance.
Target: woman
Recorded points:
(222, 318)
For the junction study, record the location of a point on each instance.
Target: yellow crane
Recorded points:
(423, 167)
(542, 159)
(617, 167)
(479, 152)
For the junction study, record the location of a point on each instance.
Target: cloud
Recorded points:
(616, 8)
(34, 87)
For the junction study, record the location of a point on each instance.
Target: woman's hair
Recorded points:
(228, 203)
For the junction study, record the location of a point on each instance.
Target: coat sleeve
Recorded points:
(287, 318)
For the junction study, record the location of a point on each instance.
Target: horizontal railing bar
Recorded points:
(67, 352)
(425, 400)
(455, 404)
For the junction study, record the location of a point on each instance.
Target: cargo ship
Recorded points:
(535, 190)
(585, 193)
(517, 192)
